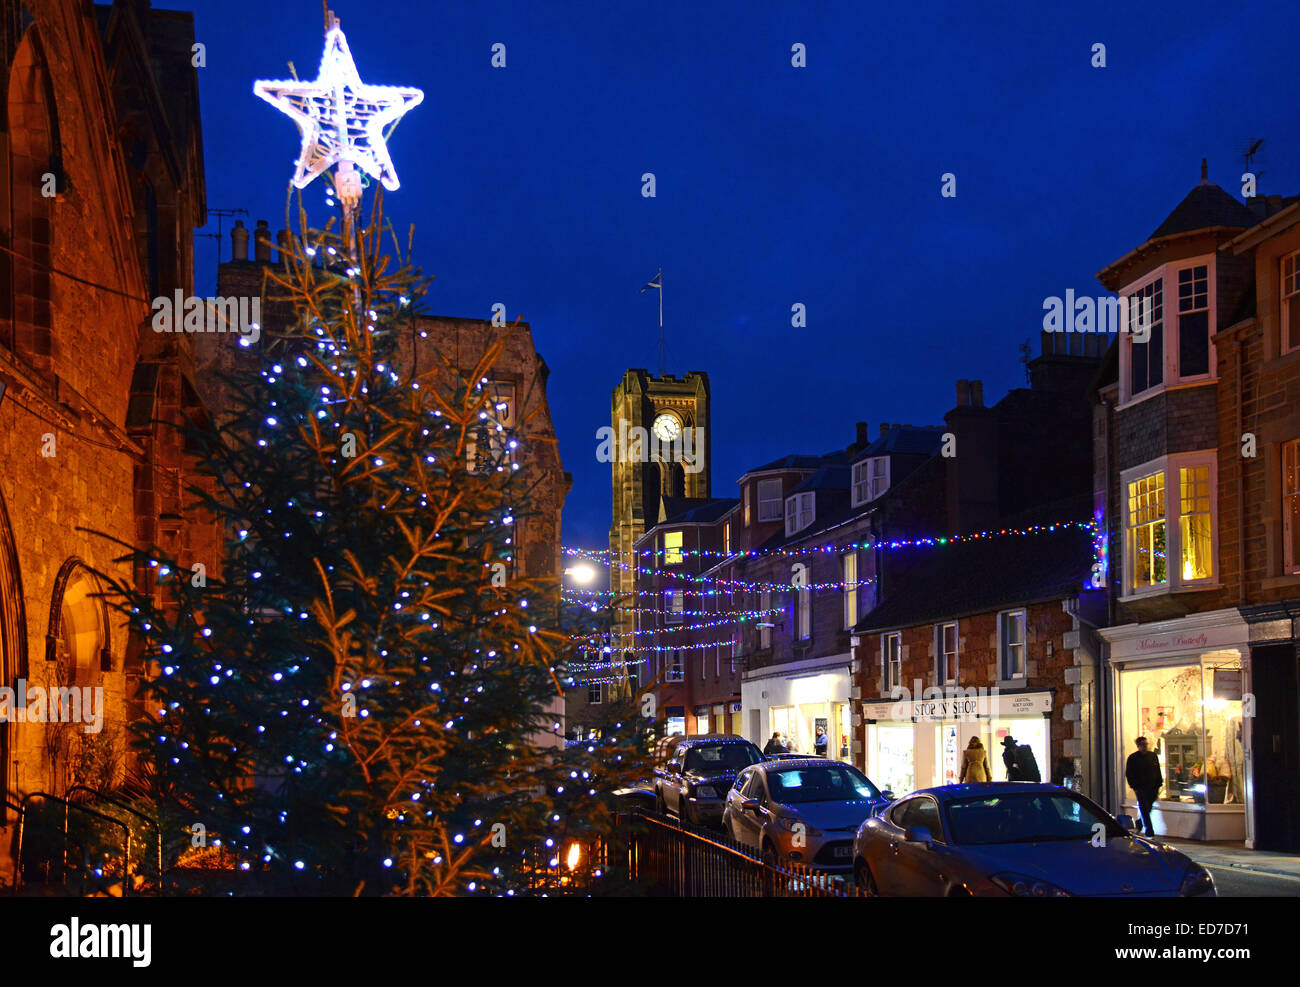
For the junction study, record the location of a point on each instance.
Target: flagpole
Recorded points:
(661, 322)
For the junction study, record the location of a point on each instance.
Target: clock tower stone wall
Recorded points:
(639, 487)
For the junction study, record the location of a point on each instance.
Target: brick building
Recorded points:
(1196, 433)
(101, 185)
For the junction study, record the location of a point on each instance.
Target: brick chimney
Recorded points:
(863, 439)
(262, 242)
(284, 244)
(972, 475)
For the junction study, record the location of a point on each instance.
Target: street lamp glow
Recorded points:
(582, 573)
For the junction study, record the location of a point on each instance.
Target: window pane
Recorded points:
(1196, 530)
(1291, 502)
(1293, 322)
(1194, 344)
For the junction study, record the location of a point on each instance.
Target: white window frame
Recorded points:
(802, 614)
(674, 605)
(596, 686)
(770, 507)
(800, 511)
(1167, 275)
(1172, 467)
(1005, 617)
(946, 671)
(870, 479)
(726, 538)
(1290, 559)
(746, 495)
(891, 661)
(676, 671)
(849, 560)
(765, 633)
(674, 555)
(1291, 261)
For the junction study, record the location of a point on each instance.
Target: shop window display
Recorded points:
(1191, 717)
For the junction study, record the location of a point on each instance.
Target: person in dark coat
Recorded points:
(774, 745)
(1009, 758)
(1142, 772)
(820, 743)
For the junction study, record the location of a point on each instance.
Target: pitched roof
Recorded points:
(826, 478)
(1205, 206)
(695, 510)
(931, 583)
(916, 440)
(801, 461)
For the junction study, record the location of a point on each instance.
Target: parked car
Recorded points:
(1016, 839)
(804, 810)
(693, 780)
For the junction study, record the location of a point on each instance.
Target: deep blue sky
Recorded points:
(776, 185)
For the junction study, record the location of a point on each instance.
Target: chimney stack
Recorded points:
(863, 439)
(284, 244)
(977, 393)
(262, 242)
(963, 393)
(239, 241)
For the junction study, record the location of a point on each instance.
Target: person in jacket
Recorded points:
(820, 743)
(1009, 758)
(1142, 772)
(974, 763)
(774, 745)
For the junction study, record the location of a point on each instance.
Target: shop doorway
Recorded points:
(1274, 735)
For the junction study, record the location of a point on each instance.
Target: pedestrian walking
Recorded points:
(974, 763)
(820, 743)
(1009, 758)
(1142, 771)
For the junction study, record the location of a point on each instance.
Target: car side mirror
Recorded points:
(750, 805)
(918, 834)
(1126, 823)
(888, 795)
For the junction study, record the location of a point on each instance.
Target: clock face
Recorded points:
(667, 427)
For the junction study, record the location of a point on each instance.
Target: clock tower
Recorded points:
(672, 413)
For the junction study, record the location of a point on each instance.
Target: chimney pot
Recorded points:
(963, 393)
(1205, 170)
(863, 437)
(977, 393)
(262, 242)
(239, 241)
(284, 244)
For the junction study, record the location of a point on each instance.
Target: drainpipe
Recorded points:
(1241, 487)
(1101, 712)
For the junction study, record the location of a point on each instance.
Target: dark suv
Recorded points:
(699, 770)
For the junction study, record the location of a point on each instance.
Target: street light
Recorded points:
(582, 573)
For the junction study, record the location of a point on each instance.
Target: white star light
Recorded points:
(341, 118)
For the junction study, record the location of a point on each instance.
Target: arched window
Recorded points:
(78, 632)
(33, 162)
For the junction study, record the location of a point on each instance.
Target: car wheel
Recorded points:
(864, 879)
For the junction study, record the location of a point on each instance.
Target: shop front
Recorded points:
(1181, 684)
(912, 744)
(797, 699)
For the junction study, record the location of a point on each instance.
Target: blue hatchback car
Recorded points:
(1015, 839)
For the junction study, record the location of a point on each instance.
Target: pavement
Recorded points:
(1230, 854)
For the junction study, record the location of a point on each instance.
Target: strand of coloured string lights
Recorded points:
(742, 584)
(601, 554)
(692, 613)
(612, 635)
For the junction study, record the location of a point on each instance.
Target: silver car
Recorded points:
(804, 810)
(1015, 839)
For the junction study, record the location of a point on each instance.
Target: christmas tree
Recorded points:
(356, 703)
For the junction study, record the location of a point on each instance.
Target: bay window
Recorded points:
(769, 500)
(1150, 358)
(672, 548)
(1170, 516)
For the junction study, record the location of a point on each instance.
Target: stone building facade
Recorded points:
(101, 185)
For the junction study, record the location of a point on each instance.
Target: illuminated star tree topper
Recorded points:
(343, 121)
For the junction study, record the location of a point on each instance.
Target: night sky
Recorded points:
(776, 184)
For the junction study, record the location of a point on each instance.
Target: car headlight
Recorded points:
(1197, 881)
(705, 792)
(1020, 886)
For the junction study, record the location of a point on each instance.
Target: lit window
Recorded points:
(1011, 644)
(726, 538)
(1291, 503)
(746, 492)
(765, 620)
(675, 604)
(1196, 523)
(672, 548)
(1146, 531)
(1291, 302)
(769, 500)
(802, 614)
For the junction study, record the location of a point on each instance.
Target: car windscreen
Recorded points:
(823, 783)
(1025, 817)
(721, 757)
